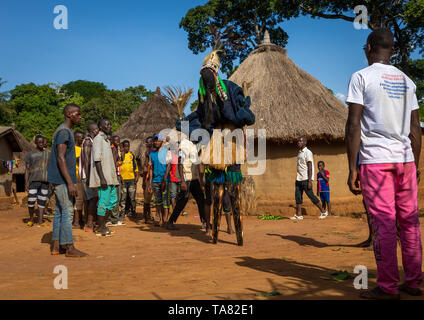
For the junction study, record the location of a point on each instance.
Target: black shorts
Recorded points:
(38, 192)
(302, 186)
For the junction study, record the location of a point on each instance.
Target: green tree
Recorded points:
(6, 113)
(116, 105)
(37, 108)
(87, 89)
(139, 92)
(235, 26)
(404, 17)
(416, 69)
(193, 105)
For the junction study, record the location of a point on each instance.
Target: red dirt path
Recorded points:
(146, 262)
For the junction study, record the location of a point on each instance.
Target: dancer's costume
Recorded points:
(230, 110)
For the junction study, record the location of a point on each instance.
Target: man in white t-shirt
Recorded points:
(383, 135)
(191, 182)
(304, 178)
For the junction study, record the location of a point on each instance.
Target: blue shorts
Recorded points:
(324, 196)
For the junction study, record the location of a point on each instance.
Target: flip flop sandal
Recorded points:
(30, 224)
(103, 234)
(86, 229)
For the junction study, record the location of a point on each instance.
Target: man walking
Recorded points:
(304, 178)
(61, 173)
(191, 182)
(383, 127)
(104, 176)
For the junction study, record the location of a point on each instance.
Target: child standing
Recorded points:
(323, 186)
(129, 173)
(160, 176)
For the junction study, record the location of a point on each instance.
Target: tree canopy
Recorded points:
(38, 109)
(405, 18)
(236, 26)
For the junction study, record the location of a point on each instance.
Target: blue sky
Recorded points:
(126, 43)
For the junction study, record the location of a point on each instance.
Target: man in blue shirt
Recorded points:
(62, 174)
(323, 186)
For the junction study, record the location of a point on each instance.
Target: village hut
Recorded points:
(154, 115)
(289, 103)
(19, 172)
(9, 144)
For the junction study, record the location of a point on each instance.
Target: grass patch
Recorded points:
(268, 216)
(269, 294)
(340, 275)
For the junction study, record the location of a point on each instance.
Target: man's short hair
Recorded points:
(125, 142)
(78, 132)
(69, 107)
(381, 38)
(38, 137)
(320, 162)
(102, 121)
(91, 126)
(149, 139)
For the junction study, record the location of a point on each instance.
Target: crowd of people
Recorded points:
(94, 176)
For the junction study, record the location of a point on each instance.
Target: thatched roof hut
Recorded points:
(26, 147)
(287, 101)
(154, 115)
(20, 146)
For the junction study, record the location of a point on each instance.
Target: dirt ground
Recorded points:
(147, 262)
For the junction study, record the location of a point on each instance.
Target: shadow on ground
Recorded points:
(305, 241)
(301, 281)
(186, 230)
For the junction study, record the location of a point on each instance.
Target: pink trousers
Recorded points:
(390, 193)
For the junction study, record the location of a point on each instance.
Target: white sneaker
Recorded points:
(108, 224)
(323, 215)
(295, 217)
(120, 223)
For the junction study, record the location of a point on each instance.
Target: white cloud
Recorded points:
(340, 96)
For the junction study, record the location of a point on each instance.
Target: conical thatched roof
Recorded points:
(154, 115)
(25, 144)
(25, 147)
(287, 101)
